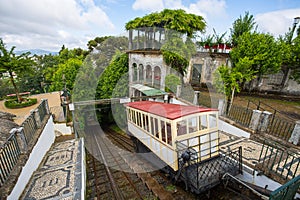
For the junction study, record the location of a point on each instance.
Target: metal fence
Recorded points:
(240, 115)
(9, 155)
(287, 191)
(279, 162)
(281, 128)
(18, 140)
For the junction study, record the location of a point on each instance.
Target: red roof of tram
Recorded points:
(167, 110)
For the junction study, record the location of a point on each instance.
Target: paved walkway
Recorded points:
(23, 113)
(60, 173)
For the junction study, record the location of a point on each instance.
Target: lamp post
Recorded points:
(286, 69)
(296, 21)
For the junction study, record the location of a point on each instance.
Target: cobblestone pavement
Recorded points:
(22, 113)
(59, 175)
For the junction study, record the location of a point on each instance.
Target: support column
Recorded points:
(37, 118)
(221, 107)
(46, 106)
(130, 40)
(295, 137)
(178, 90)
(196, 98)
(264, 121)
(255, 120)
(21, 140)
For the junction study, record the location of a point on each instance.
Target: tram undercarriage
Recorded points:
(198, 177)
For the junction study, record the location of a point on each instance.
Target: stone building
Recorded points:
(147, 67)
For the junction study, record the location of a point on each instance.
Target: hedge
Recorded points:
(25, 103)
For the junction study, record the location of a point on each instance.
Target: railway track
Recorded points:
(132, 177)
(109, 177)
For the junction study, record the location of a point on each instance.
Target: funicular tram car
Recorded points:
(185, 138)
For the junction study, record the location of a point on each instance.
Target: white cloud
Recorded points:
(277, 22)
(210, 8)
(33, 24)
(148, 5)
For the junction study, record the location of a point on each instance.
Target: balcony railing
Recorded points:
(19, 139)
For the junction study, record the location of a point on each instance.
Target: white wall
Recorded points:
(43, 144)
(228, 128)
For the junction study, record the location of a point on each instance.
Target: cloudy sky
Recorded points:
(48, 24)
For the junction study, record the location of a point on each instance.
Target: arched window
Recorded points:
(149, 74)
(134, 72)
(141, 72)
(157, 76)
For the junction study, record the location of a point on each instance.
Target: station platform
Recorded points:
(61, 175)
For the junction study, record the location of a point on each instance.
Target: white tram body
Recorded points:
(160, 126)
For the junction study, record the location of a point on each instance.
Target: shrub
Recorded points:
(171, 82)
(13, 104)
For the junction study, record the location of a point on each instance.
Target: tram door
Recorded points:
(196, 75)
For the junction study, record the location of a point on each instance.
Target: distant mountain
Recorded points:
(37, 52)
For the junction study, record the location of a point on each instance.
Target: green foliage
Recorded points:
(177, 53)
(177, 20)
(245, 24)
(14, 104)
(295, 59)
(114, 79)
(229, 80)
(171, 83)
(261, 49)
(14, 64)
(92, 44)
(69, 70)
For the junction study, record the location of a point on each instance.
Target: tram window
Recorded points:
(146, 123)
(152, 125)
(163, 131)
(203, 122)
(156, 128)
(133, 117)
(192, 122)
(169, 134)
(181, 127)
(212, 120)
(139, 119)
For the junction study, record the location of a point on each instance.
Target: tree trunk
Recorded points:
(286, 73)
(230, 101)
(11, 76)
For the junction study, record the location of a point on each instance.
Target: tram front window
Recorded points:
(181, 128)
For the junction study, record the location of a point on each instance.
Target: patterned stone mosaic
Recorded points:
(59, 176)
(251, 149)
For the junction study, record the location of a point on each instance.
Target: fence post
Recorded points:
(295, 137)
(264, 121)
(19, 132)
(221, 107)
(255, 120)
(178, 90)
(196, 97)
(37, 118)
(46, 106)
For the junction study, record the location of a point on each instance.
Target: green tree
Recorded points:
(228, 80)
(92, 44)
(242, 25)
(295, 59)
(171, 83)
(177, 20)
(112, 80)
(14, 64)
(261, 49)
(66, 74)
